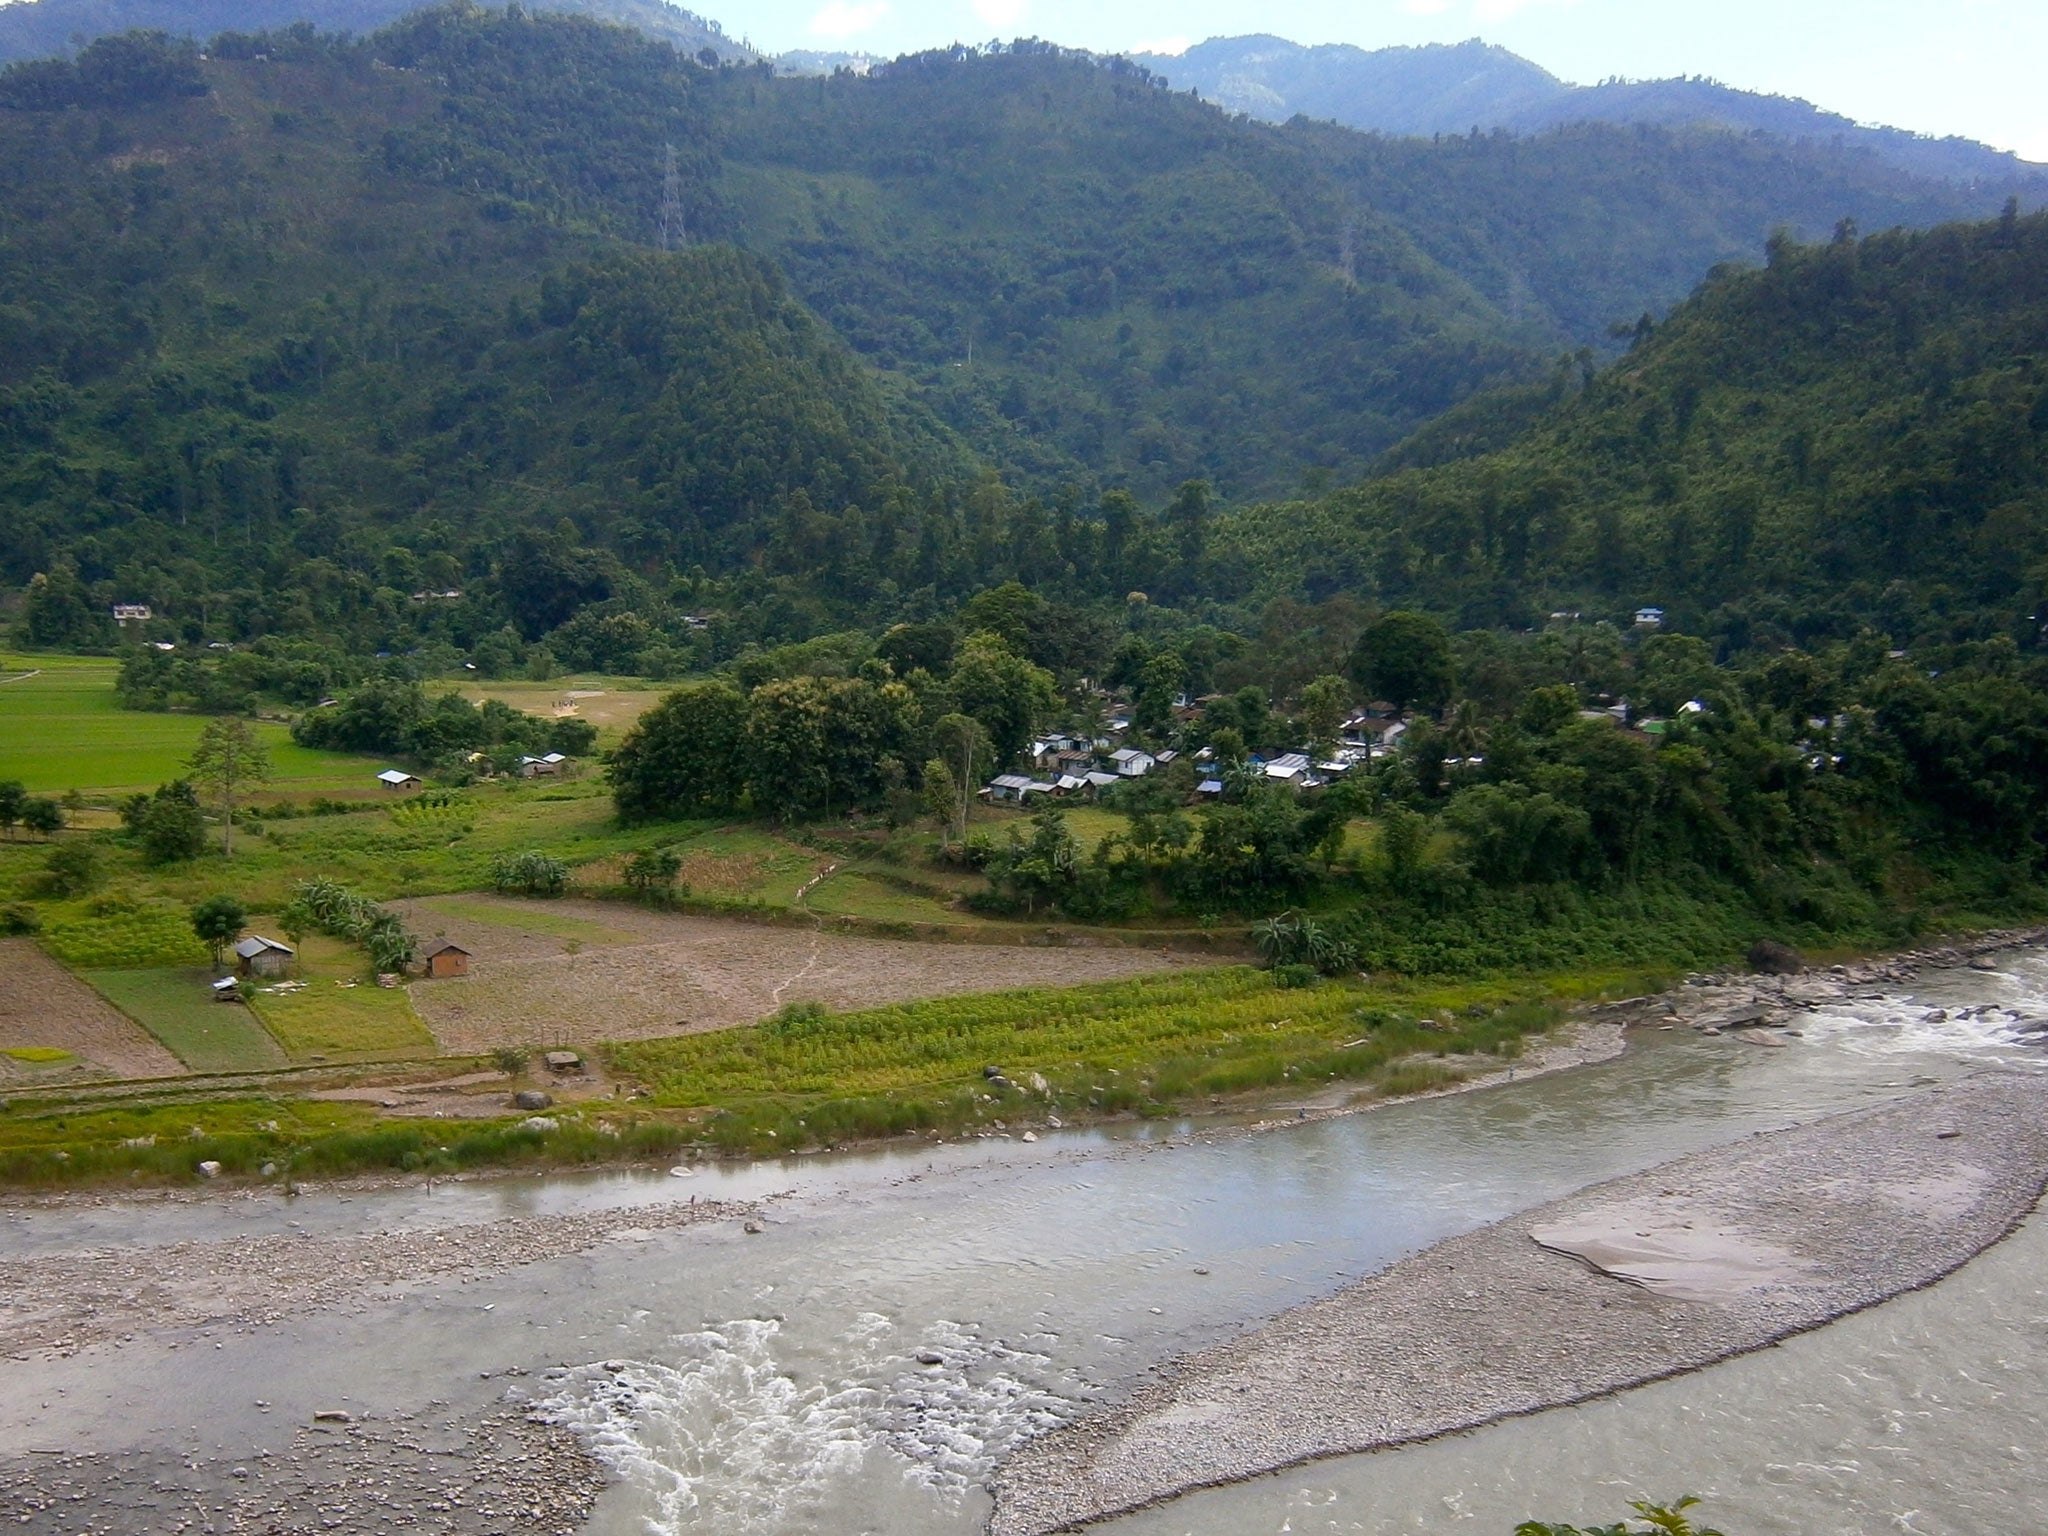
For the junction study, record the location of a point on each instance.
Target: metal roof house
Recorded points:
(258, 956)
(398, 778)
(1131, 763)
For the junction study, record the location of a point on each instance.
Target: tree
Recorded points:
(229, 759)
(683, 757)
(12, 798)
(1004, 692)
(1325, 703)
(1404, 658)
(218, 922)
(167, 825)
(1159, 688)
(42, 816)
(940, 796)
(962, 740)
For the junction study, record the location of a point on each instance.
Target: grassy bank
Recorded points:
(1156, 1047)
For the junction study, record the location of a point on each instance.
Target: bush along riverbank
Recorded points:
(1003, 1063)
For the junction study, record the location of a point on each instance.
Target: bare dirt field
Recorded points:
(568, 978)
(42, 1005)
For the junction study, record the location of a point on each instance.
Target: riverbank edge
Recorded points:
(1053, 1469)
(1590, 1033)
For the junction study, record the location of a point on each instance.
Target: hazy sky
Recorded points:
(1973, 67)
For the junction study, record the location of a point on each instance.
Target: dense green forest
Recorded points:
(1852, 436)
(373, 341)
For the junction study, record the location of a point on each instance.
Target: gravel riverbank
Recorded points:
(1724, 1252)
(63, 1302)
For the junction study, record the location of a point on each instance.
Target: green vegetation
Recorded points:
(1156, 295)
(65, 730)
(118, 930)
(178, 1007)
(46, 1145)
(1848, 438)
(35, 1055)
(1652, 1519)
(337, 1015)
(1156, 1046)
(525, 917)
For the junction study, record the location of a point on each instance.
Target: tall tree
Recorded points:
(962, 740)
(229, 759)
(1404, 658)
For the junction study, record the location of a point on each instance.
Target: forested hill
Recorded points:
(1152, 290)
(263, 367)
(1454, 88)
(40, 29)
(298, 330)
(1855, 435)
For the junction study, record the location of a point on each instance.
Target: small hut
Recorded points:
(258, 956)
(444, 957)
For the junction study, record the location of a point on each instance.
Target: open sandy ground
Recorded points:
(42, 1004)
(1625, 1282)
(635, 973)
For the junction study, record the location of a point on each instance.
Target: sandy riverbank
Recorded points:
(1723, 1252)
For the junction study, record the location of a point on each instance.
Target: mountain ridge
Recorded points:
(1445, 88)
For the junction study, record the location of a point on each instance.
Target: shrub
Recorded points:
(72, 868)
(18, 917)
(653, 869)
(1294, 976)
(534, 874)
(510, 1059)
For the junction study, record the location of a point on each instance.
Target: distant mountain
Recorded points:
(1457, 87)
(40, 29)
(813, 61)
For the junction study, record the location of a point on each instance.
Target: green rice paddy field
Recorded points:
(61, 729)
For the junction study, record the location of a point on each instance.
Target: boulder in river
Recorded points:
(1775, 959)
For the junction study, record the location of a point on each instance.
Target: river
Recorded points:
(908, 1314)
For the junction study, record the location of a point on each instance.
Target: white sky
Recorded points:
(1978, 68)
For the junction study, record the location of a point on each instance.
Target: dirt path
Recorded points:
(44, 1005)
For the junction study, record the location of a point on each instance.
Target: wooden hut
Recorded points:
(444, 957)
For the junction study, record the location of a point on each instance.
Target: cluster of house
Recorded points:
(1077, 767)
(263, 959)
(546, 766)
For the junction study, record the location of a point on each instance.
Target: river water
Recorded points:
(909, 1314)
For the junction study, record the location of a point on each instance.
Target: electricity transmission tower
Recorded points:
(672, 234)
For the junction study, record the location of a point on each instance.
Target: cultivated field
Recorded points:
(44, 1008)
(61, 729)
(173, 1004)
(632, 974)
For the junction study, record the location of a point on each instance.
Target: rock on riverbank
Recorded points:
(1704, 1258)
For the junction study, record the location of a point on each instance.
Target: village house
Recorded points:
(258, 956)
(398, 778)
(1130, 763)
(1011, 788)
(441, 957)
(1294, 770)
